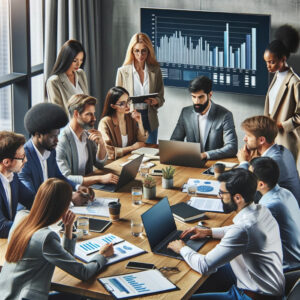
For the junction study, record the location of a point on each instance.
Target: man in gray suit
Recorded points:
(80, 146)
(209, 124)
(260, 134)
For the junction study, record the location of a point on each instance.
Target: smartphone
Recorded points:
(209, 171)
(98, 225)
(139, 265)
(156, 172)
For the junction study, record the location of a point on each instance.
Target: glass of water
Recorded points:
(137, 227)
(192, 190)
(144, 170)
(83, 225)
(136, 195)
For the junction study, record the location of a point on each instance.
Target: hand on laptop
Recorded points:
(176, 245)
(109, 178)
(198, 233)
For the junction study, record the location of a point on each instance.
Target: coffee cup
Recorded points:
(219, 168)
(114, 210)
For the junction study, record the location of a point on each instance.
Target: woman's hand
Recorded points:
(136, 116)
(151, 101)
(107, 250)
(68, 219)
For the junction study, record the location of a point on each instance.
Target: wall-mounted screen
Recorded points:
(226, 47)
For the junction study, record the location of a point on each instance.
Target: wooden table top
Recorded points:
(187, 280)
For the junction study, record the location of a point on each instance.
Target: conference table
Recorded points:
(187, 280)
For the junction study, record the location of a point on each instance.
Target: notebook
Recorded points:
(185, 212)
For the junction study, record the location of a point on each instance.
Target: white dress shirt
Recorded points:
(82, 151)
(202, 121)
(6, 185)
(275, 89)
(252, 245)
(124, 140)
(139, 88)
(76, 89)
(43, 160)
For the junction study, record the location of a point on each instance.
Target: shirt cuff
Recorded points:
(217, 233)
(244, 162)
(184, 251)
(77, 187)
(207, 155)
(102, 161)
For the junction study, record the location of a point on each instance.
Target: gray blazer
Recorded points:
(220, 138)
(67, 157)
(60, 90)
(30, 277)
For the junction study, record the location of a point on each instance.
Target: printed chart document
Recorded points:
(206, 204)
(122, 249)
(99, 207)
(204, 186)
(137, 284)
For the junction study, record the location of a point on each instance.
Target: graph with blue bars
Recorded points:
(226, 47)
(131, 280)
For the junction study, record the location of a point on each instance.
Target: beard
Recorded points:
(229, 207)
(86, 125)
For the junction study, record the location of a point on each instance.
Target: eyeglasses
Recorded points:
(20, 158)
(169, 269)
(142, 51)
(222, 193)
(124, 103)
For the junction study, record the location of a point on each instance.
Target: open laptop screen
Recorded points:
(158, 222)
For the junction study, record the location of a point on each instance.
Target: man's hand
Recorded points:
(107, 250)
(203, 155)
(151, 101)
(79, 199)
(109, 178)
(68, 219)
(198, 233)
(136, 116)
(244, 154)
(176, 246)
(87, 192)
(95, 136)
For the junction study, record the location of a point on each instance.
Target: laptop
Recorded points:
(128, 173)
(161, 229)
(180, 153)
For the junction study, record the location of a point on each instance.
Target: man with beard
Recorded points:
(260, 134)
(251, 245)
(43, 122)
(206, 123)
(81, 146)
(12, 191)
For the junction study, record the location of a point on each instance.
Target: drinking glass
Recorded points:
(136, 195)
(137, 227)
(144, 170)
(83, 225)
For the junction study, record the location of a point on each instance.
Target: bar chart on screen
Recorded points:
(226, 47)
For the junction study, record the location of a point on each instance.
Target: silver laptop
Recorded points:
(180, 153)
(128, 173)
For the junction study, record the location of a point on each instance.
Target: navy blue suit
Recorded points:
(32, 173)
(19, 193)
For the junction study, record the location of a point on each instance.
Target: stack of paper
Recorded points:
(206, 204)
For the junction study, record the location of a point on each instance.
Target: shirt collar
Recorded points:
(244, 212)
(135, 71)
(270, 193)
(84, 135)
(41, 156)
(8, 179)
(267, 151)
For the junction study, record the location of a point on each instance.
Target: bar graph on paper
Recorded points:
(228, 48)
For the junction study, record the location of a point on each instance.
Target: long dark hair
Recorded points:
(112, 97)
(51, 202)
(286, 42)
(66, 55)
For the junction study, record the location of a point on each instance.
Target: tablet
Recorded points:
(142, 98)
(98, 225)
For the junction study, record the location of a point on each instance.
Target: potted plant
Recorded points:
(167, 177)
(149, 187)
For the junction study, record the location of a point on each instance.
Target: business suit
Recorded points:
(67, 156)
(156, 85)
(219, 139)
(286, 111)
(60, 89)
(111, 134)
(288, 174)
(32, 174)
(19, 193)
(30, 277)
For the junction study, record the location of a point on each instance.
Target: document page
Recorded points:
(137, 284)
(203, 186)
(206, 204)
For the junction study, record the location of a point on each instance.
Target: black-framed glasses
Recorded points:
(220, 193)
(142, 51)
(169, 269)
(124, 103)
(20, 158)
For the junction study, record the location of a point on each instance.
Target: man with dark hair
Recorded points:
(43, 122)
(260, 134)
(81, 146)
(12, 191)
(252, 245)
(283, 206)
(206, 123)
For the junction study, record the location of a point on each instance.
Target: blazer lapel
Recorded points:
(196, 127)
(266, 109)
(14, 198)
(151, 80)
(117, 131)
(35, 161)
(281, 93)
(129, 80)
(73, 149)
(210, 120)
(3, 196)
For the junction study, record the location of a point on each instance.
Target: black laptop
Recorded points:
(128, 173)
(161, 229)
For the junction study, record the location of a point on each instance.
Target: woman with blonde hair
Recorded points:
(34, 249)
(141, 75)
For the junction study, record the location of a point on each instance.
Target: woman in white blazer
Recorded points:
(141, 75)
(67, 79)
(34, 249)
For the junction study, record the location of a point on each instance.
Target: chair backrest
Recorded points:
(295, 292)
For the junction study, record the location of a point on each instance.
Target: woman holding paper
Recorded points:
(34, 249)
(122, 131)
(141, 75)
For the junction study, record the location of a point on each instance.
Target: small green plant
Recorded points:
(149, 182)
(168, 172)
